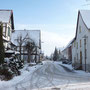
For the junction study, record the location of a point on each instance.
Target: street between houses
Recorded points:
(46, 47)
(50, 76)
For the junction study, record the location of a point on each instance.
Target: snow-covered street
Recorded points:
(49, 76)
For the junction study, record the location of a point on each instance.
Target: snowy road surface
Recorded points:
(51, 76)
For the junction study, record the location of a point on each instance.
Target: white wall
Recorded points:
(7, 38)
(73, 52)
(80, 36)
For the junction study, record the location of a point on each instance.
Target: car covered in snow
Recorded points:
(65, 61)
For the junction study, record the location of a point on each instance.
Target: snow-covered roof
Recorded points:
(69, 44)
(6, 16)
(12, 51)
(86, 17)
(9, 51)
(35, 35)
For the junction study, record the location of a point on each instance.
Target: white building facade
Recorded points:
(35, 36)
(6, 18)
(67, 52)
(81, 44)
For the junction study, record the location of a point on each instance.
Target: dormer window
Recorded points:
(8, 31)
(79, 29)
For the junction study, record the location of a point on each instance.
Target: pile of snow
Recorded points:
(25, 76)
(78, 72)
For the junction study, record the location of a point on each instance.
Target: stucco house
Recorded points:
(6, 18)
(81, 44)
(67, 52)
(31, 35)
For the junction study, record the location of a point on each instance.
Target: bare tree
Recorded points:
(30, 47)
(20, 40)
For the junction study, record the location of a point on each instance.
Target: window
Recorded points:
(77, 45)
(85, 41)
(85, 48)
(8, 31)
(4, 30)
(80, 57)
(85, 53)
(77, 56)
(80, 43)
(74, 59)
(79, 29)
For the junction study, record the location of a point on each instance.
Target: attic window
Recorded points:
(79, 29)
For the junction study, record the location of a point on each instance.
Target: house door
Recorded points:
(80, 58)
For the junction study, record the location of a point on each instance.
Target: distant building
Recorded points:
(6, 18)
(81, 44)
(34, 35)
(67, 52)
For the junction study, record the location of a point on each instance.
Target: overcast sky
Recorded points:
(55, 18)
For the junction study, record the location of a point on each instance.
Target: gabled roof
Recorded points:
(6, 16)
(85, 16)
(35, 35)
(69, 44)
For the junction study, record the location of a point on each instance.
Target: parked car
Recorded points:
(65, 61)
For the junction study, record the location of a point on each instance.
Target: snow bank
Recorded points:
(78, 72)
(50, 75)
(25, 75)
